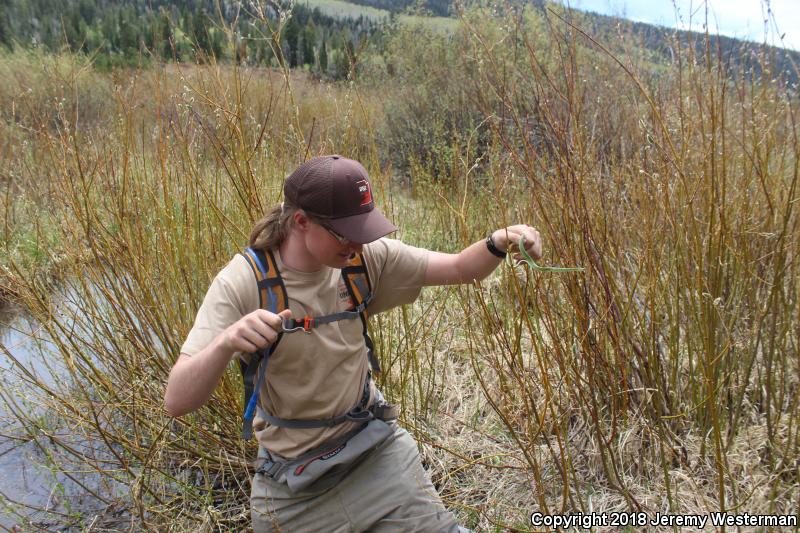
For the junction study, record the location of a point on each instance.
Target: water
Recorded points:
(30, 480)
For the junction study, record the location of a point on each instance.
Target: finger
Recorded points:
(513, 238)
(530, 236)
(247, 341)
(255, 338)
(245, 346)
(271, 336)
(267, 331)
(530, 243)
(537, 247)
(271, 319)
(239, 343)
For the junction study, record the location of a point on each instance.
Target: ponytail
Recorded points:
(273, 228)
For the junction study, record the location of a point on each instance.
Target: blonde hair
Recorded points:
(273, 228)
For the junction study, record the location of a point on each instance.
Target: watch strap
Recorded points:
(493, 249)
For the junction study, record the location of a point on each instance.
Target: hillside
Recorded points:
(661, 41)
(738, 55)
(119, 33)
(321, 35)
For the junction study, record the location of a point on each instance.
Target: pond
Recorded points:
(35, 491)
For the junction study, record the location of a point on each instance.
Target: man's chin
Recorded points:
(341, 261)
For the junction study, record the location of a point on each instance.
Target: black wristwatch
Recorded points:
(494, 250)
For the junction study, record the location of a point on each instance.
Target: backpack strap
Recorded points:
(271, 296)
(356, 279)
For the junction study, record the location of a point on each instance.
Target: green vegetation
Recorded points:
(664, 377)
(342, 9)
(388, 14)
(440, 8)
(119, 34)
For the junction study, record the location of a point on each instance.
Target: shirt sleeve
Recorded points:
(232, 295)
(396, 271)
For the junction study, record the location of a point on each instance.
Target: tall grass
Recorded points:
(147, 204)
(664, 377)
(677, 194)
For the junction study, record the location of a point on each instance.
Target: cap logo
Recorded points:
(364, 191)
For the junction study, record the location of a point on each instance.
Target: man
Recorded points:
(332, 457)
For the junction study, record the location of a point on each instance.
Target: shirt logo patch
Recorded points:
(365, 192)
(344, 295)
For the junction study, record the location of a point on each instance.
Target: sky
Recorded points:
(743, 19)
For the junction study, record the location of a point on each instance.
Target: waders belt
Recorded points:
(359, 413)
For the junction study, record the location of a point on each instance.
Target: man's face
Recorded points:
(329, 248)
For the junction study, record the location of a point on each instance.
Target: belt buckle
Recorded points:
(269, 468)
(288, 325)
(385, 411)
(359, 414)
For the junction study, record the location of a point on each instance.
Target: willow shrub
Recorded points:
(676, 190)
(147, 206)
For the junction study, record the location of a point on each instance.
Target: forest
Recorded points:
(123, 33)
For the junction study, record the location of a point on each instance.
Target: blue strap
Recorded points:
(271, 282)
(252, 253)
(261, 358)
(363, 290)
(250, 410)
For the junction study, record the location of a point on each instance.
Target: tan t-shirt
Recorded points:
(319, 374)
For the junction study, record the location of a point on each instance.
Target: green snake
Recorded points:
(528, 259)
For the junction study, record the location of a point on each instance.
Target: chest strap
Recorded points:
(290, 325)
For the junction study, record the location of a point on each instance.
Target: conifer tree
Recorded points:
(201, 36)
(5, 32)
(217, 43)
(166, 36)
(323, 57)
(308, 43)
(291, 36)
(128, 37)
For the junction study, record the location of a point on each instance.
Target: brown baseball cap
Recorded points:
(337, 190)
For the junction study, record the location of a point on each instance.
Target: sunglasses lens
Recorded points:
(338, 237)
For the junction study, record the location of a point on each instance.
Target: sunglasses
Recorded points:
(344, 241)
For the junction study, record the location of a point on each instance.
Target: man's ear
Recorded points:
(301, 220)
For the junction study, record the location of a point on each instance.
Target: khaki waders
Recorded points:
(384, 490)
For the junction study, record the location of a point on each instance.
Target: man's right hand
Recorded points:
(254, 331)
